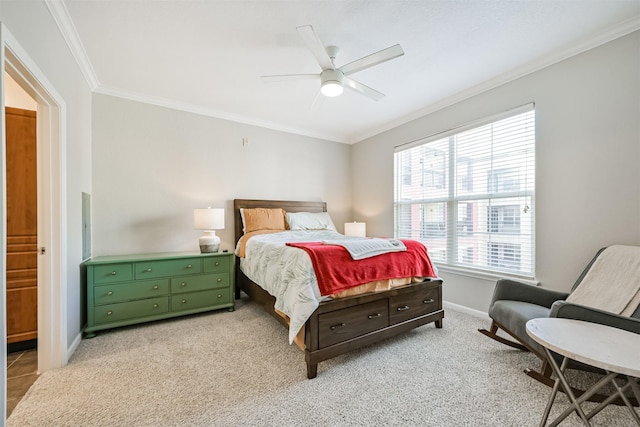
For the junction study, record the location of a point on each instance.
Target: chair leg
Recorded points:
(492, 333)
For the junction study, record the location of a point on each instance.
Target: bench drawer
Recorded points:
(408, 306)
(344, 324)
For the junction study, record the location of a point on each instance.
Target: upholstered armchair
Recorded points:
(514, 303)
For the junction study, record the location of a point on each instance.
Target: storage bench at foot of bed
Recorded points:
(339, 326)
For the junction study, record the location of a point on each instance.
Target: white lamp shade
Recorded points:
(208, 219)
(358, 229)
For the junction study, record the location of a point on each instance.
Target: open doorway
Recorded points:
(51, 206)
(21, 308)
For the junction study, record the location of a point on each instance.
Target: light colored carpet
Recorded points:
(236, 369)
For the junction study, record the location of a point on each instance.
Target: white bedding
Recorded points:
(286, 272)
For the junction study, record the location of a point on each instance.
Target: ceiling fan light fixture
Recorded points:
(331, 89)
(331, 83)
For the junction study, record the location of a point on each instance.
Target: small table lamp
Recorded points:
(209, 220)
(358, 229)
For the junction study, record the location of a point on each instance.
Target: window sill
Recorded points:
(485, 275)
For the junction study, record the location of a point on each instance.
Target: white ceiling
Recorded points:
(207, 56)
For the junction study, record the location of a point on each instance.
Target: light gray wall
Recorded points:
(153, 165)
(35, 30)
(587, 154)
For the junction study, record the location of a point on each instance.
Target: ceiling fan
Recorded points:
(333, 79)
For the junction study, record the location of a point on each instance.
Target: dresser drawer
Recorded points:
(199, 283)
(406, 306)
(347, 323)
(111, 273)
(166, 268)
(217, 264)
(133, 309)
(108, 294)
(189, 301)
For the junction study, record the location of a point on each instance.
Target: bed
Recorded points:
(340, 325)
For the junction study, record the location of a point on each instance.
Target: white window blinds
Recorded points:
(468, 194)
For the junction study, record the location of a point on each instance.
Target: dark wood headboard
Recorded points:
(288, 206)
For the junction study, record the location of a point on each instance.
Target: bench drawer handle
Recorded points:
(403, 308)
(428, 301)
(374, 316)
(334, 327)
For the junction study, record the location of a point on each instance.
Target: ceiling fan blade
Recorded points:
(362, 89)
(318, 101)
(289, 77)
(316, 47)
(374, 59)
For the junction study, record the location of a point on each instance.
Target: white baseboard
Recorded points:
(73, 347)
(465, 309)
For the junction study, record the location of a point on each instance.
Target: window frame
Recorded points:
(500, 188)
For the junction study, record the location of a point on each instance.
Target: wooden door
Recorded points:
(22, 226)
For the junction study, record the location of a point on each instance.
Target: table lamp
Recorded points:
(209, 220)
(358, 229)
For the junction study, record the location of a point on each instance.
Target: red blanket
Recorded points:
(337, 271)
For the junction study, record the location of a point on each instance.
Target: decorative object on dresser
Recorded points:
(209, 220)
(342, 324)
(129, 289)
(354, 228)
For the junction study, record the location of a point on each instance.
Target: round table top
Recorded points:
(604, 347)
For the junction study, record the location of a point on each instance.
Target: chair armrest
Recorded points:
(512, 290)
(569, 310)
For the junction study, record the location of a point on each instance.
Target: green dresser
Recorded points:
(128, 289)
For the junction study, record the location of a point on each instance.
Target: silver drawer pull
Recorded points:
(156, 287)
(217, 263)
(219, 279)
(219, 295)
(109, 313)
(109, 293)
(148, 270)
(189, 266)
(428, 301)
(334, 327)
(155, 305)
(373, 316)
(184, 301)
(183, 284)
(113, 273)
(403, 308)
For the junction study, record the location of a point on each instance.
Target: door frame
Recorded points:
(52, 206)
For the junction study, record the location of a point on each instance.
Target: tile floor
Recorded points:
(22, 371)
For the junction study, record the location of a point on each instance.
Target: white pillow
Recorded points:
(310, 221)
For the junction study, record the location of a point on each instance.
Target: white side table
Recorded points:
(614, 350)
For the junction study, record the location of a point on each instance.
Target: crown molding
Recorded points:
(203, 111)
(61, 16)
(65, 24)
(597, 39)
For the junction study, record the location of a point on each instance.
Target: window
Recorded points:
(470, 198)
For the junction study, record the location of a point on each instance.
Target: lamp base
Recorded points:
(209, 242)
